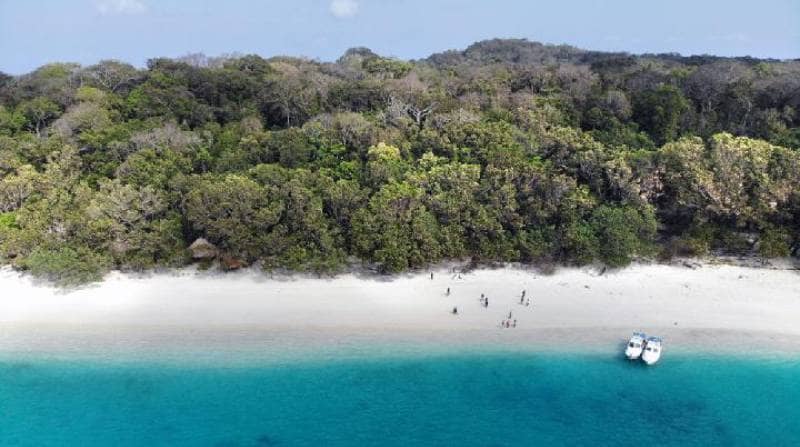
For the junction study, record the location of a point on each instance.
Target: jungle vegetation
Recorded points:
(509, 150)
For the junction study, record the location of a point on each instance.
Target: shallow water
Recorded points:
(443, 399)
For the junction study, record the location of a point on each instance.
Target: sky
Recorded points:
(36, 32)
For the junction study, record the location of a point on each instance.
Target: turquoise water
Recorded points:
(463, 399)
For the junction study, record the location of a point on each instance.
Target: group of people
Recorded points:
(508, 322)
(524, 301)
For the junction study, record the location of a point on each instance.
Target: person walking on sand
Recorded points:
(515, 323)
(527, 302)
(455, 310)
(448, 291)
(523, 294)
(431, 276)
(509, 314)
(486, 302)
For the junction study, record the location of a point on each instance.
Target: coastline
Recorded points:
(742, 310)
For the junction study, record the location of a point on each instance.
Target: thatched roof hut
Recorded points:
(202, 249)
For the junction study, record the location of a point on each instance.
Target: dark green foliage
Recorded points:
(234, 212)
(396, 230)
(508, 151)
(386, 68)
(660, 112)
(67, 266)
(775, 243)
(622, 232)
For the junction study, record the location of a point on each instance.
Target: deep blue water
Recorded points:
(463, 399)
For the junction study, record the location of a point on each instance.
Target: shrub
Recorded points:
(622, 232)
(774, 243)
(67, 266)
(8, 220)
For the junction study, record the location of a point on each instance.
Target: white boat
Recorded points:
(635, 346)
(652, 350)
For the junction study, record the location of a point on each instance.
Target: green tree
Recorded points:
(659, 112)
(234, 212)
(140, 231)
(396, 230)
(39, 112)
(67, 266)
(623, 232)
(384, 164)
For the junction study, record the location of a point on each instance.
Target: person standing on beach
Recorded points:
(455, 310)
(448, 291)
(486, 302)
(431, 276)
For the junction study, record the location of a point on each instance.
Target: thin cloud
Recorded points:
(120, 7)
(344, 9)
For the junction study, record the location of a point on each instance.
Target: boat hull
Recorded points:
(633, 354)
(650, 359)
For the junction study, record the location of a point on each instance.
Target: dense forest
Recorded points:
(507, 151)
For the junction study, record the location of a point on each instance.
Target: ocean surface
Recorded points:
(480, 398)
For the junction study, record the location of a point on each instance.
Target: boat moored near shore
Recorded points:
(652, 350)
(635, 345)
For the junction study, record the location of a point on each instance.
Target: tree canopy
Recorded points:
(507, 151)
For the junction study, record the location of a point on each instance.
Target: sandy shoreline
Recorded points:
(737, 308)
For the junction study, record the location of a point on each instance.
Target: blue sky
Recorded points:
(35, 32)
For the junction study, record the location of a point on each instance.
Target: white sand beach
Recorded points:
(712, 305)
